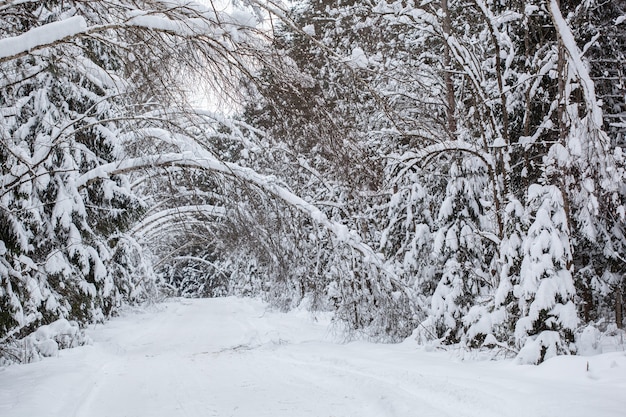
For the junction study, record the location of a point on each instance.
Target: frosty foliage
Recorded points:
(500, 204)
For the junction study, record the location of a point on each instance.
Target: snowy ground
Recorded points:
(231, 357)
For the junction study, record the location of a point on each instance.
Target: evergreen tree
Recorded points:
(61, 239)
(546, 290)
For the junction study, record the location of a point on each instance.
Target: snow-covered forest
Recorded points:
(448, 169)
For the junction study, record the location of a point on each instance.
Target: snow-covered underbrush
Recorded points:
(46, 341)
(594, 340)
(589, 340)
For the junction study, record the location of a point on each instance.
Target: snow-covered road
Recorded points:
(231, 357)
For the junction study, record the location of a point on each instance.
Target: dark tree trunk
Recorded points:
(619, 312)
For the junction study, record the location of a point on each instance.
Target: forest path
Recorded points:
(232, 357)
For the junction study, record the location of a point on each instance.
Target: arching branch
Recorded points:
(268, 184)
(164, 216)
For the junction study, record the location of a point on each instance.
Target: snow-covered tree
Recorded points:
(548, 316)
(463, 253)
(59, 104)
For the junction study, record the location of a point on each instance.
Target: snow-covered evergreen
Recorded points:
(62, 255)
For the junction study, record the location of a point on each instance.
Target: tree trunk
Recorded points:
(447, 74)
(619, 312)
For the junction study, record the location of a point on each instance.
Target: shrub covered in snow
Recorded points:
(46, 341)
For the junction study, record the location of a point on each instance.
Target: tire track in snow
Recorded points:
(392, 396)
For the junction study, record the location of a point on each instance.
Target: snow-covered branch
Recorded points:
(575, 58)
(448, 146)
(41, 36)
(163, 217)
(222, 29)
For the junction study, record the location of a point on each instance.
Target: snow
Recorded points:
(530, 9)
(40, 36)
(234, 357)
(56, 264)
(413, 157)
(499, 143)
(161, 218)
(242, 17)
(189, 27)
(358, 58)
(47, 339)
(309, 30)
